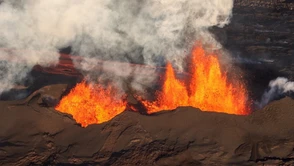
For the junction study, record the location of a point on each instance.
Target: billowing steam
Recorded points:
(139, 31)
(277, 87)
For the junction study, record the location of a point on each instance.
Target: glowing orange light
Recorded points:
(91, 105)
(207, 88)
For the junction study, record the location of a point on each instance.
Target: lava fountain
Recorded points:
(206, 88)
(92, 105)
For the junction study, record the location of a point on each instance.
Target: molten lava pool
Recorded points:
(207, 88)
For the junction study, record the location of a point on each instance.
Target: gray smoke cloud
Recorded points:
(277, 87)
(139, 31)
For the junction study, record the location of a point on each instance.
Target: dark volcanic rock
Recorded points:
(47, 96)
(262, 29)
(49, 101)
(31, 134)
(261, 36)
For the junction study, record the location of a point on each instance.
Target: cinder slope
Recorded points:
(32, 134)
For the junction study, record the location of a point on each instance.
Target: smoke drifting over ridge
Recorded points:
(277, 87)
(145, 31)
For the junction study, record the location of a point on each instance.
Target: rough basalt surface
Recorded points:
(262, 29)
(261, 36)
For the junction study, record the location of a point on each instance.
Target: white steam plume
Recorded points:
(144, 31)
(277, 87)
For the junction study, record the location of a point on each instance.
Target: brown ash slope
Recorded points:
(32, 133)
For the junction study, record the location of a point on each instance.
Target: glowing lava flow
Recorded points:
(91, 105)
(173, 94)
(207, 88)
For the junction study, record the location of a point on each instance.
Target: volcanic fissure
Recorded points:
(206, 87)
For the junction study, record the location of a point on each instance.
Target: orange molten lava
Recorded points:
(207, 88)
(173, 94)
(90, 105)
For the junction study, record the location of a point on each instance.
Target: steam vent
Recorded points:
(147, 82)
